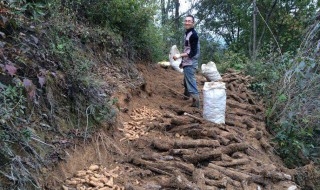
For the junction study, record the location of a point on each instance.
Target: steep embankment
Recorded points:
(157, 146)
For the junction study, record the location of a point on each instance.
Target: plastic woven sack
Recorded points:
(214, 101)
(210, 71)
(175, 63)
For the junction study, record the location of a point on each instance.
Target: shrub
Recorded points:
(233, 60)
(14, 131)
(293, 113)
(131, 19)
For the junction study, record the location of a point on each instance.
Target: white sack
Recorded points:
(175, 63)
(214, 101)
(210, 71)
(293, 187)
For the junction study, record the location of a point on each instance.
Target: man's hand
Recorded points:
(176, 56)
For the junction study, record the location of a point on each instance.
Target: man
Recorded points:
(189, 62)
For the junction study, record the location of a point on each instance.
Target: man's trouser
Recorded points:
(190, 84)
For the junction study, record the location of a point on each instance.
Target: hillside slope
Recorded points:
(154, 145)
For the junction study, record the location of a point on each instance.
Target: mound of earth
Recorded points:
(160, 142)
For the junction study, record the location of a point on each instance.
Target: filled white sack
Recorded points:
(175, 63)
(214, 101)
(210, 71)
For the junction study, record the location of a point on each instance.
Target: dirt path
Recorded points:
(157, 146)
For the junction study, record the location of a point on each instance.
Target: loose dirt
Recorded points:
(160, 142)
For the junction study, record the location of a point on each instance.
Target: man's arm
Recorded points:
(177, 56)
(193, 43)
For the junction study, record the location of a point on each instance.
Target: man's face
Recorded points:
(188, 23)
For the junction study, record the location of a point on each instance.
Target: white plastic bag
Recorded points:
(210, 71)
(214, 101)
(175, 63)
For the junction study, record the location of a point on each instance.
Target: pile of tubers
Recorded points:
(137, 128)
(94, 178)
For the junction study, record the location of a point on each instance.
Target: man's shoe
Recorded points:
(186, 96)
(195, 101)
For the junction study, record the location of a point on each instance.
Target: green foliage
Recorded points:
(104, 112)
(160, 39)
(233, 60)
(74, 61)
(131, 19)
(290, 84)
(293, 112)
(259, 87)
(232, 20)
(295, 143)
(13, 132)
(12, 102)
(282, 98)
(151, 44)
(79, 58)
(229, 19)
(33, 9)
(128, 16)
(210, 49)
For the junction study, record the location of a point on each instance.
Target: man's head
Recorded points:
(188, 22)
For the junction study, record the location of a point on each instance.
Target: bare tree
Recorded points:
(177, 6)
(165, 7)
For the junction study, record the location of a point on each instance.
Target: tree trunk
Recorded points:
(254, 31)
(177, 6)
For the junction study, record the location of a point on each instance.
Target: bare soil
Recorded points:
(155, 145)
